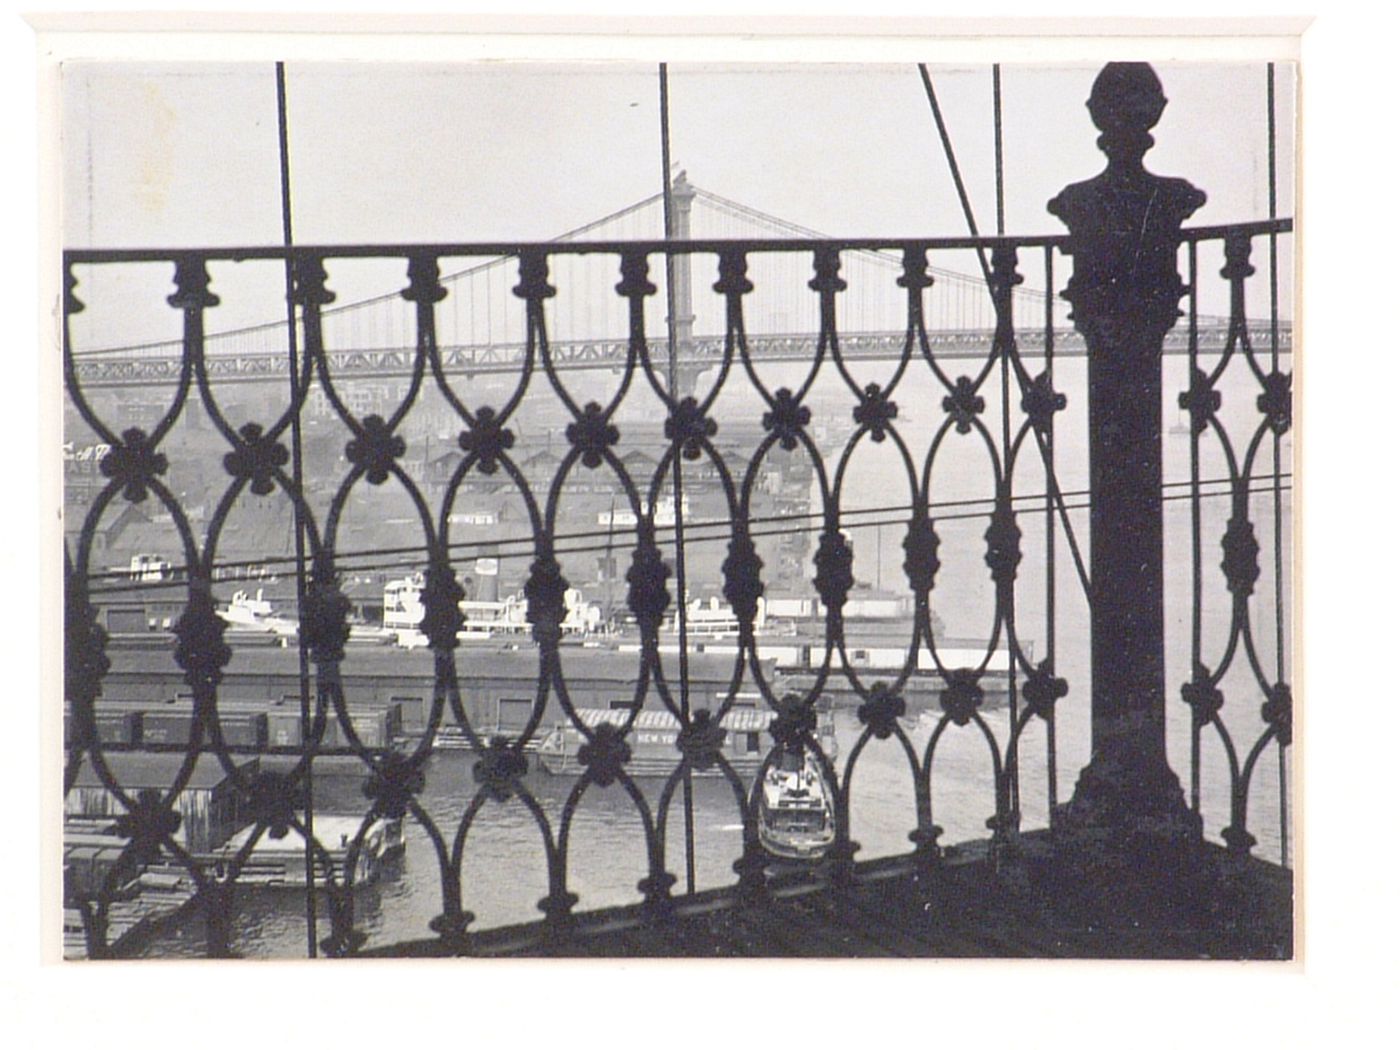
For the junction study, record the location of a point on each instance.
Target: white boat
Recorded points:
(796, 814)
(254, 612)
(403, 613)
(713, 618)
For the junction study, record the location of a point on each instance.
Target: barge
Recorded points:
(652, 741)
(282, 862)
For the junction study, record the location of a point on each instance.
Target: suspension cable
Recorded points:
(677, 498)
(299, 525)
(954, 170)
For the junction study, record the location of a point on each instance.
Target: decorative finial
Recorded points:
(1125, 223)
(1125, 103)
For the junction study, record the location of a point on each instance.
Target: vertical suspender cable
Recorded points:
(303, 665)
(1013, 706)
(996, 122)
(1278, 493)
(1051, 773)
(683, 658)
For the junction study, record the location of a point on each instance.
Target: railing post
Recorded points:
(1128, 813)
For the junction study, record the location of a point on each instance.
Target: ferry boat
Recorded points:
(796, 814)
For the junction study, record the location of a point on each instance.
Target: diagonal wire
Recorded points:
(1051, 481)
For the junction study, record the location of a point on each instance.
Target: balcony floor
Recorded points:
(968, 909)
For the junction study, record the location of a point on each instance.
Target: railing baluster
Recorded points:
(1048, 468)
(1198, 719)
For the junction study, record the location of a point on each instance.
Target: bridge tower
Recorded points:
(688, 369)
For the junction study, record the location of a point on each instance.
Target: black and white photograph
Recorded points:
(704, 509)
(827, 525)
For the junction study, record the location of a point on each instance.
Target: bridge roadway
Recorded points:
(101, 371)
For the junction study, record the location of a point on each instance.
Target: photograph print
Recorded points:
(677, 509)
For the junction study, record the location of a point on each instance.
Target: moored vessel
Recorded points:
(652, 741)
(796, 813)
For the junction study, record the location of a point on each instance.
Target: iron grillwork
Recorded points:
(257, 460)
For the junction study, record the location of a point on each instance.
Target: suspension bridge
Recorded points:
(481, 323)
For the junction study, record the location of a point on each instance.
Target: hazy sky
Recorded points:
(187, 155)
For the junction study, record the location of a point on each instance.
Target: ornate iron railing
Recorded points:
(1210, 664)
(1017, 440)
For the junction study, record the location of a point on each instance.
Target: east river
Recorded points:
(504, 873)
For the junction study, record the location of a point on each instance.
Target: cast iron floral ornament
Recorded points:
(1041, 689)
(689, 426)
(827, 265)
(875, 412)
(393, 782)
(605, 754)
(272, 802)
(964, 404)
(375, 449)
(1201, 400)
(1277, 711)
(148, 823)
(1202, 696)
(733, 274)
(962, 696)
(634, 283)
(257, 459)
(786, 418)
(794, 723)
(534, 277)
(700, 740)
(499, 767)
(134, 464)
(592, 435)
(451, 926)
(1276, 402)
(1041, 401)
(488, 440)
(881, 711)
(424, 288)
(915, 276)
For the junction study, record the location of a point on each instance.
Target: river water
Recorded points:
(504, 874)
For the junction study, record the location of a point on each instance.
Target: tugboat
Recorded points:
(796, 814)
